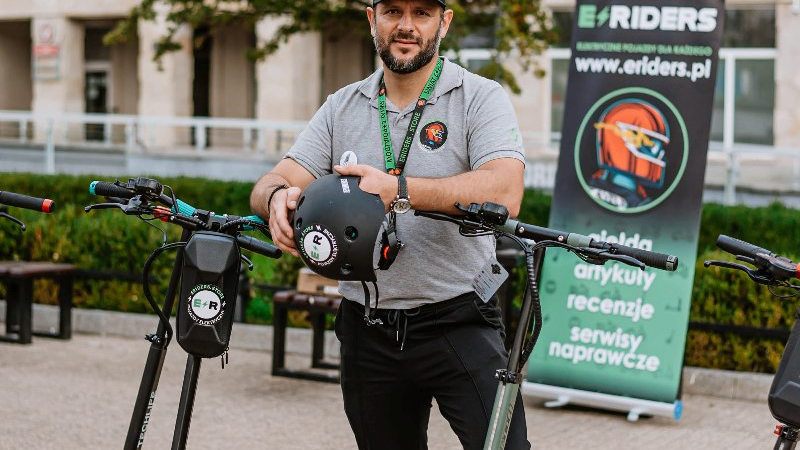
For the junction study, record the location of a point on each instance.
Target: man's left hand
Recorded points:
(373, 180)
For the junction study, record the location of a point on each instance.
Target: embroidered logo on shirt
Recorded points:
(348, 158)
(433, 136)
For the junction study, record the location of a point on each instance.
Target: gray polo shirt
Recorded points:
(467, 122)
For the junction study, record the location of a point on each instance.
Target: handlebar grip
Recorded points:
(184, 208)
(258, 246)
(107, 189)
(652, 259)
(25, 201)
(737, 247)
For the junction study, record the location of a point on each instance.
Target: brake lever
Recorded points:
(13, 219)
(103, 206)
(754, 275)
(726, 265)
(600, 256)
(131, 210)
(127, 209)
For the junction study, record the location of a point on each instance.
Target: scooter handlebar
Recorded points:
(738, 247)
(25, 201)
(652, 259)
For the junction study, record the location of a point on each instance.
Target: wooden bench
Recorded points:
(318, 307)
(18, 278)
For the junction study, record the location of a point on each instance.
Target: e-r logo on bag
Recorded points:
(206, 304)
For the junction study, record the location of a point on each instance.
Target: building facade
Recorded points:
(54, 62)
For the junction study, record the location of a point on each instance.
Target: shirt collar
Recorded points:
(452, 77)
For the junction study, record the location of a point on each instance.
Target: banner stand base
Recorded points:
(635, 407)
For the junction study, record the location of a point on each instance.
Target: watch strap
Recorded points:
(402, 187)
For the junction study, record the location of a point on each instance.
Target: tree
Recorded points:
(518, 29)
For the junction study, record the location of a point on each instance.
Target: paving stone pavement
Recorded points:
(78, 394)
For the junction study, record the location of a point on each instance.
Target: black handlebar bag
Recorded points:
(209, 283)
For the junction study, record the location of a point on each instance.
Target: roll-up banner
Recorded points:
(631, 168)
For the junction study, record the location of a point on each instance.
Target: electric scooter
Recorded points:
(774, 271)
(205, 273)
(492, 219)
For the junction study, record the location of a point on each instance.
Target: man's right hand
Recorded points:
(282, 207)
(284, 201)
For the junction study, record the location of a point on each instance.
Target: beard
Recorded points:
(426, 54)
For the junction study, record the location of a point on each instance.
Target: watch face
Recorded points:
(401, 205)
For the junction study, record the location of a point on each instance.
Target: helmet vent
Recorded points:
(351, 233)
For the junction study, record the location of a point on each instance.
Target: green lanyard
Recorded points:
(386, 137)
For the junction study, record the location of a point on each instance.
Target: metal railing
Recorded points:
(141, 134)
(730, 165)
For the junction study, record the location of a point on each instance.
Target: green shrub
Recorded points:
(723, 296)
(773, 227)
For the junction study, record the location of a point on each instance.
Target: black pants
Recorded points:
(448, 351)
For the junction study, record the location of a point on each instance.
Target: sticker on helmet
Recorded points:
(345, 186)
(433, 136)
(318, 245)
(206, 304)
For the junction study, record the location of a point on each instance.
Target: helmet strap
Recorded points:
(368, 316)
(390, 244)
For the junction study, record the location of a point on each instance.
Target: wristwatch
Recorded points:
(401, 204)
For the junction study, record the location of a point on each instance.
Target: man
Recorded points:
(437, 339)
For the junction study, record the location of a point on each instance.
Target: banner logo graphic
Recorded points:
(631, 150)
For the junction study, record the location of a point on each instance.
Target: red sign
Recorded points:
(45, 50)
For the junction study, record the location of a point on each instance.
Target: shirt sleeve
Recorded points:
(493, 130)
(314, 145)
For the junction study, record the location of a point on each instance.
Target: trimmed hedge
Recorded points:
(108, 240)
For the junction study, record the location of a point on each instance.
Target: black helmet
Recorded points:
(336, 226)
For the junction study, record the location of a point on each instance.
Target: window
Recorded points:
(751, 27)
(748, 58)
